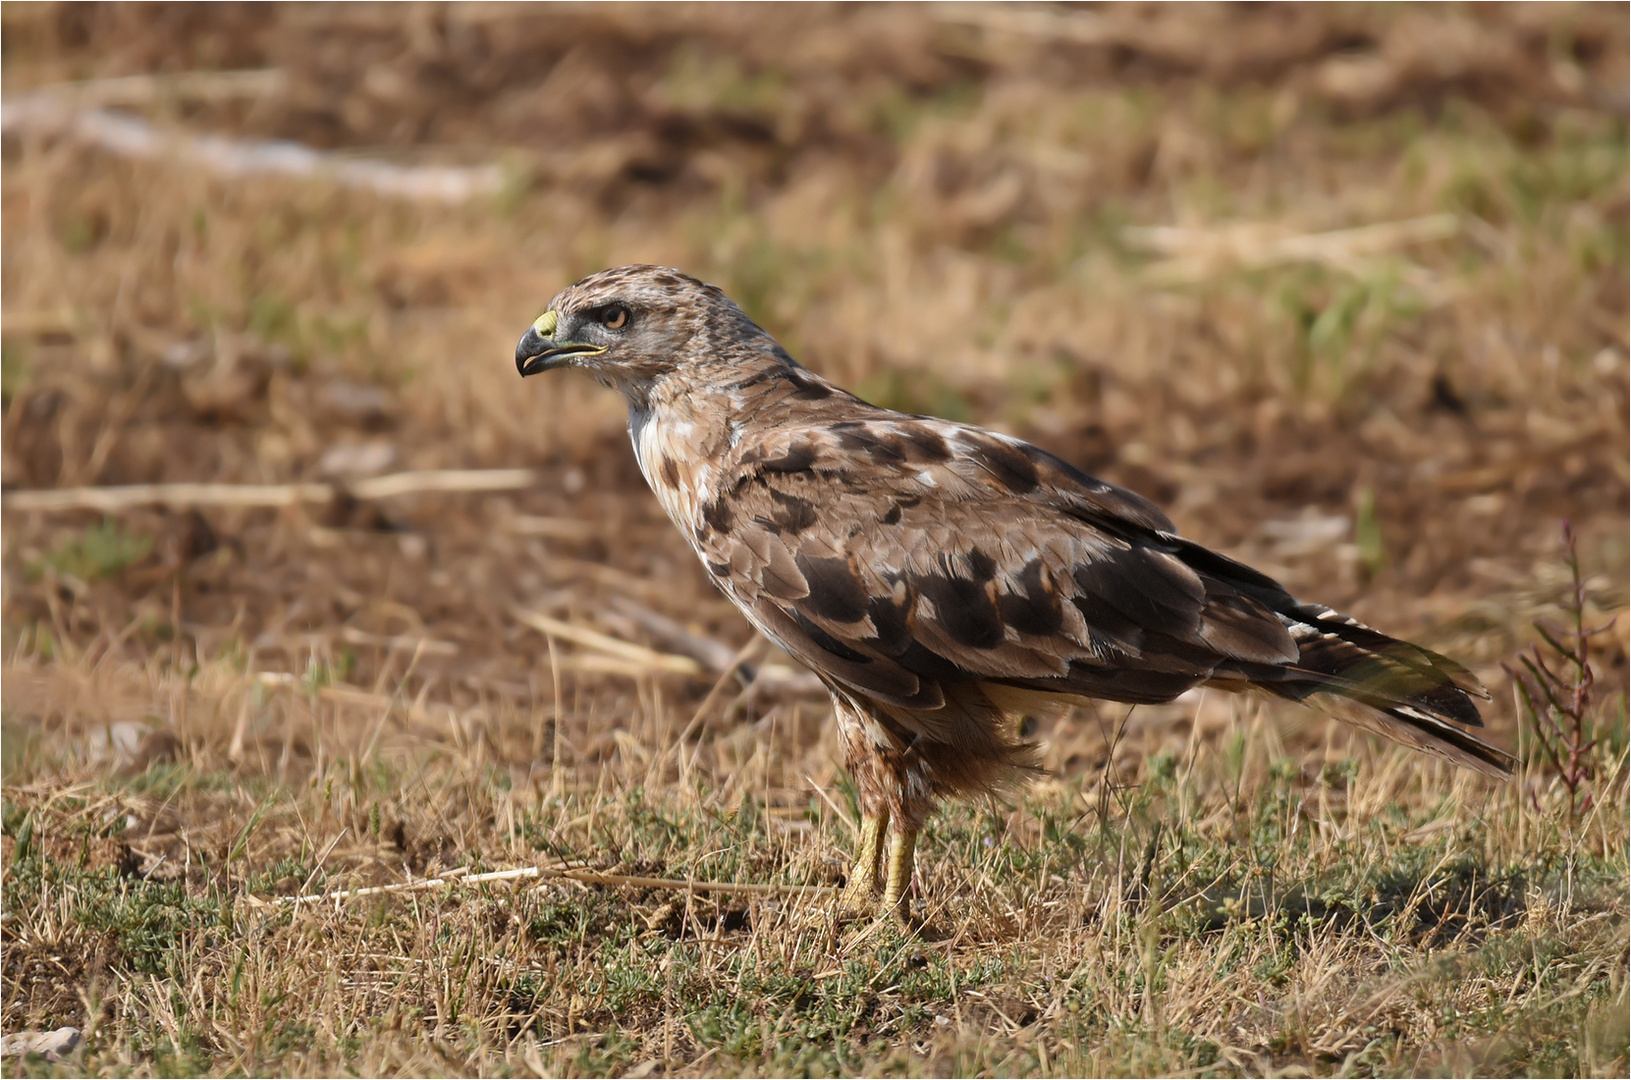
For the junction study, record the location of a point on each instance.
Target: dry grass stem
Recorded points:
(639, 655)
(461, 876)
(113, 500)
(58, 114)
(1194, 254)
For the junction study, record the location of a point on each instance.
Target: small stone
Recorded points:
(357, 459)
(660, 918)
(185, 355)
(119, 741)
(52, 1045)
(354, 402)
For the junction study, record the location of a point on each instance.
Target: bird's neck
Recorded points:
(689, 432)
(709, 416)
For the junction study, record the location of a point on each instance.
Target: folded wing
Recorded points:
(905, 558)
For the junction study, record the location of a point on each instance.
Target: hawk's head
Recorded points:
(632, 324)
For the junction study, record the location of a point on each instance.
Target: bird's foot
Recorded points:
(857, 901)
(878, 887)
(865, 898)
(860, 912)
(859, 897)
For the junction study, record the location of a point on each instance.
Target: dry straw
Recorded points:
(462, 876)
(113, 500)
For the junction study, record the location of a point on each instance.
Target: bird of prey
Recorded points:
(938, 577)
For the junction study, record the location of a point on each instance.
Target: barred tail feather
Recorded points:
(1420, 731)
(1385, 686)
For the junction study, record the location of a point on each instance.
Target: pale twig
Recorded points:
(716, 656)
(565, 568)
(31, 322)
(599, 664)
(354, 636)
(552, 528)
(77, 111)
(1193, 254)
(417, 711)
(111, 500)
(639, 655)
(551, 873)
(449, 480)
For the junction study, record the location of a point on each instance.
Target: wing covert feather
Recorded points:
(900, 556)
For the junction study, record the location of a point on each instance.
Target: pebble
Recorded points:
(52, 1045)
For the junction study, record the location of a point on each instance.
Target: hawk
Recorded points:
(939, 577)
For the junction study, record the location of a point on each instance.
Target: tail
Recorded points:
(1386, 686)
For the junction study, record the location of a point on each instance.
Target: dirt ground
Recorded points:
(1343, 288)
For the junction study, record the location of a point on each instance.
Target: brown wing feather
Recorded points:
(904, 557)
(942, 554)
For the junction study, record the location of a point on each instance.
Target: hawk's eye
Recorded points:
(615, 317)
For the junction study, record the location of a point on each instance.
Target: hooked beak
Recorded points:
(537, 351)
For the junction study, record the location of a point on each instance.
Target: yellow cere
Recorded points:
(546, 323)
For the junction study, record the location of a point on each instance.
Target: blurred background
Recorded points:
(1342, 287)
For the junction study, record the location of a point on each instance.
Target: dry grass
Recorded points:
(1344, 288)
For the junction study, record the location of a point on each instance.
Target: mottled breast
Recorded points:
(674, 456)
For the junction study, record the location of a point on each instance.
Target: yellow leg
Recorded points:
(859, 897)
(902, 845)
